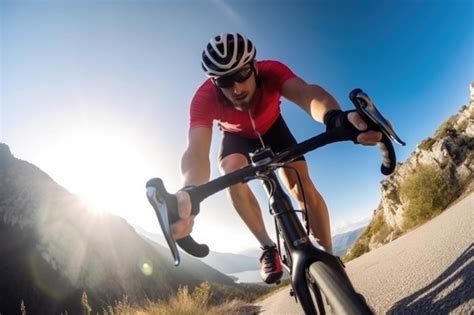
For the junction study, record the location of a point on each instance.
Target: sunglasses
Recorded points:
(229, 80)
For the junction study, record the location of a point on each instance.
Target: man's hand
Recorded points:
(184, 226)
(366, 138)
(337, 118)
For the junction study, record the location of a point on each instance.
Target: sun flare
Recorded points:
(106, 169)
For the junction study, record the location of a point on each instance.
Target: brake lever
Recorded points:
(364, 105)
(376, 121)
(166, 205)
(161, 200)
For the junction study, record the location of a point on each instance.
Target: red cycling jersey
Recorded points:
(209, 104)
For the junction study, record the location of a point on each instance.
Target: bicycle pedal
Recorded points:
(292, 292)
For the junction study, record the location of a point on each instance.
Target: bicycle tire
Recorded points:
(338, 292)
(316, 296)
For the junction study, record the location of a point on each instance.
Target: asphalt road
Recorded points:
(427, 271)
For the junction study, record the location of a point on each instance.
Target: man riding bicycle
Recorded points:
(243, 95)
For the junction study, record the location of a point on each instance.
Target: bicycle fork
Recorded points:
(300, 252)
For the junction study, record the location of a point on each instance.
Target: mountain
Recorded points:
(342, 242)
(437, 173)
(248, 260)
(53, 248)
(231, 263)
(224, 262)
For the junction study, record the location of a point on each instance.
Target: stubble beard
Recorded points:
(245, 104)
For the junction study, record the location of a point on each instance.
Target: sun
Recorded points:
(106, 168)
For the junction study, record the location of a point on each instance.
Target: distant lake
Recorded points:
(250, 276)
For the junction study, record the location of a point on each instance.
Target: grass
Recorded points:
(206, 299)
(378, 230)
(427, 144)
(446, 128)
(428, 191)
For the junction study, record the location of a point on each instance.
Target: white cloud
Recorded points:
(346, 226)
(229, 12)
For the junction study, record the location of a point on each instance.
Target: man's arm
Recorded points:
(310, 97)
(195, 170)
(195, 164)
(317, 102)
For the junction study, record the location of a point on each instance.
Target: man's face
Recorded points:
(239, 88)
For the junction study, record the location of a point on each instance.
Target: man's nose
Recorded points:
(237, 88)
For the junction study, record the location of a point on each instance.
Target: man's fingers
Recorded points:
(366, 138)
(357, 121)
(183, 227)
(184, 204)
(369, 137)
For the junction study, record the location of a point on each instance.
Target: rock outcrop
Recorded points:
(449, 151)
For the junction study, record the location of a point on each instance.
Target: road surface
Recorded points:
(427, 271)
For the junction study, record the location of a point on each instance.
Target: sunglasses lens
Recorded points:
(225, 82)
(228, 81)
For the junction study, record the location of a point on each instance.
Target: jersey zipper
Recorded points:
(252, 121)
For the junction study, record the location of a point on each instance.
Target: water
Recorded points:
(249, 276)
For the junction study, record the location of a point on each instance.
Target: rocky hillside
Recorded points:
(53, 248)
(437, 173)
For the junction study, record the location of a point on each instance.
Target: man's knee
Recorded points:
(232, 163)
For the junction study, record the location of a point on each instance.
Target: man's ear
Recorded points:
(255, 66)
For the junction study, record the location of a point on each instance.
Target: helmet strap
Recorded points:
(257, 78)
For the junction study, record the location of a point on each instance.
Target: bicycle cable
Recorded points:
(305, 204)
(305, 213)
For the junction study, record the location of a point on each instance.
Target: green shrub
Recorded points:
(428, 191)
(377, 230)
(442, 131)
(427, 144)
(378, 223)
(382, 234)
(359, 248)
(245, 292)
(463, 126)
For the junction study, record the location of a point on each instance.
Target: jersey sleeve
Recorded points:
(202, 109)
(277, 73)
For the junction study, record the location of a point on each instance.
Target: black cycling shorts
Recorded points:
(278, 138)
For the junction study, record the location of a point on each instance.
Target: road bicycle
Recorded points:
(318, 279)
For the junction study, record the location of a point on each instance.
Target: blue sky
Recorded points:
(96, 93)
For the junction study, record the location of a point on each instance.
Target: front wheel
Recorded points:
(338, 292)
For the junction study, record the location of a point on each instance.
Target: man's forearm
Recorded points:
(194, 170)
(321, 102)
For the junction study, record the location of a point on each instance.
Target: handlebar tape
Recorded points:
(388, 154)
(190, 246)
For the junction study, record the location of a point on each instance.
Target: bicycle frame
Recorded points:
(301, 250)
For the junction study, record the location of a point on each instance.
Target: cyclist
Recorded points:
(243, 95)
